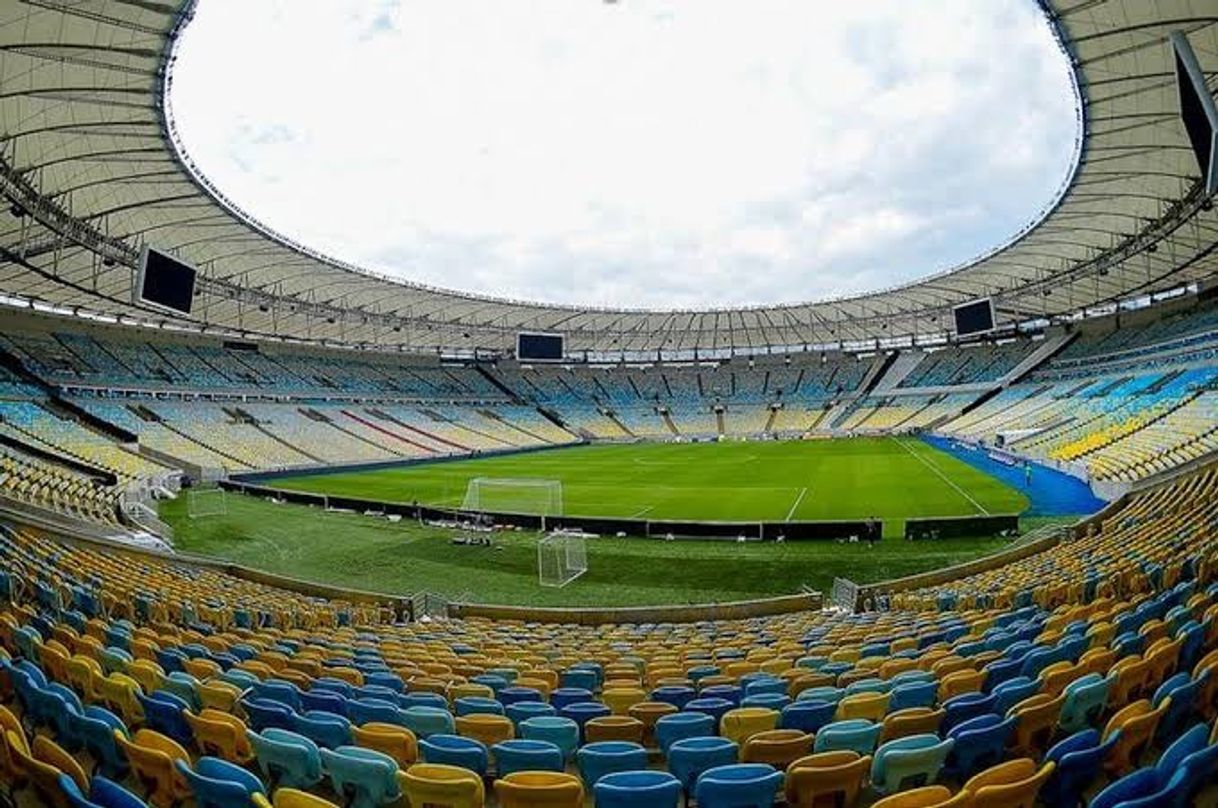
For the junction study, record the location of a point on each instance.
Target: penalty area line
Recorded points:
(802, 493)
(943, 477)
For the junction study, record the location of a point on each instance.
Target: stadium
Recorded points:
(281, 529)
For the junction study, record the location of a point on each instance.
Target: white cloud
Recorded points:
(642, 153)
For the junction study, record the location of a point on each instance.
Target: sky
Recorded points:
(637, 153)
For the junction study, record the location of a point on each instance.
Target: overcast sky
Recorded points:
(646, 153)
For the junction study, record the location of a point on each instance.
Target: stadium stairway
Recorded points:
(282, 441)
(384, 431)
(321, 417)
(612, 416)
(668, 422)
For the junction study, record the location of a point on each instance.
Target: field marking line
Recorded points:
(640, 513)
(943, 477)
(802, 492)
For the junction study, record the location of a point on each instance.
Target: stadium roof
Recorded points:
(88, 157)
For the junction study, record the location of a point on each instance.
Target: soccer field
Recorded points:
(890, 478)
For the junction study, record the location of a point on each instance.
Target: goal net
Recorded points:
(513, 495)
(561, 558)
(206, 502)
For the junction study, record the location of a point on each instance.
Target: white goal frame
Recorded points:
(202, 502)
(515, 495)
(561, 558)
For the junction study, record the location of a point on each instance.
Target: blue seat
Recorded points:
(641, 789)
(569, 695)
(1013, 691)
(331, 685)
(495, 683)
(713, 707)
(676, 695)
(772, 701)
(266, 714)
(96, 727)
(675, 726)
(584, 711)
(408, 700)
(1085, 699)
(324, 729)
(961, 708)
(326, 701)
(579, 678)
(852, 735)
(1078, 758)
(732, 693)
(278, 690)
(829, 694)
(740, 785)
(478, 705)
(425, 721)
(807, 716)
(382, 678)
(523, 754)
(286, 758)
(765, 684)
(365, 711)
(511, 695)
(217, 783)
(911, 694)
(365, 777)
(455, 750)
(163, 713)
(103, 793)
(595, 760)
(562, 732)
(689, 757)
(1139, 789)
(1183, 692)
(980, 743)
(524, 710)
(909, 762)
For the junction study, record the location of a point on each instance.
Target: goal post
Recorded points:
(521, 495)
(561, 558)
(201, 502)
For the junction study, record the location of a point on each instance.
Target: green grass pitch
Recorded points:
(847, 478)
(891, 478)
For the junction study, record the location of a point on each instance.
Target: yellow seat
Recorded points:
(12, 739)
(742, 723)
(925, 797)
(118, 691)
(911, 721)
(151, 756)
(82, 674)
(960, 681)
(219, 695)
(826, 778)
(539, 790)
(1013, 784)
(1036, 719)
(42, 775)
(613, 728)
(487, 728)
(872, 706)
(621, 699)
(648, 713)
(220, 734)
(441, 786)
(777, 747)
(292, 798)
(397, 742)
(1136, 724)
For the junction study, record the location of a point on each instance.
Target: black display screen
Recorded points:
(166, 282)
(974, 318)
(539, 347)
